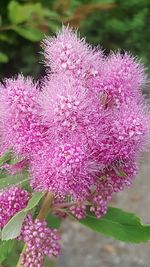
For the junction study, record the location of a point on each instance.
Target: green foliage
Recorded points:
(49, 263)
(12, 229)
(11, 258)
(7, 180)
(119, 225)
(23, 24)
(32, 34)
(53, 221)
(17, 179)
(19, 13)
(125, 27)
(3, 58)
(5, 157)
(111, 23)
(6, 248)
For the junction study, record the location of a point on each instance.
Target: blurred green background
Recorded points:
(113, 24)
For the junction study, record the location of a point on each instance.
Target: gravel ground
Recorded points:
(84, 248)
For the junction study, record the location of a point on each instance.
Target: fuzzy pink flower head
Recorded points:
(123, 134)
(11, 201)
(67, 53)
(84, 129)
(62, 168)
(122, 79)
(111, 179)
(131, 130)
(20, 127)
(65, 105)
(41, 241)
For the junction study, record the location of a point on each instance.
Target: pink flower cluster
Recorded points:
(41, 241)
(83, 128)
(12, 200)
(20, 124)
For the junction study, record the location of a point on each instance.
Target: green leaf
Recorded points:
(31, 34)
(15, 13)
(17, 179)
(27, 12)
(3, 37)
(49, 263)
(3, 173)
(19, 13)
(53, 221)
(5, 157)
(34, 200)
(119, 224)
(5, 249)
(3, 58)
(14, 160)
(14, 255)
(13, 228)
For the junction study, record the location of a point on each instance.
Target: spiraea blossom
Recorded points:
(121, 135)
(66, 53)
(12, 200)
(105, 117)
(19, 123)
(81, 131)
(122, 79)
(62, 168)
(41, 241)
(87, 120)
(64, 105)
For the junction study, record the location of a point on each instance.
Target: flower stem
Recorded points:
(47, 203)
(41, 216)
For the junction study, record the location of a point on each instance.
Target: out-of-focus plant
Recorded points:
(126, 26)
(23, 22)
(80, 11)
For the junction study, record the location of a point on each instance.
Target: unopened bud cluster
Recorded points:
(40, 240)
(12, 200)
